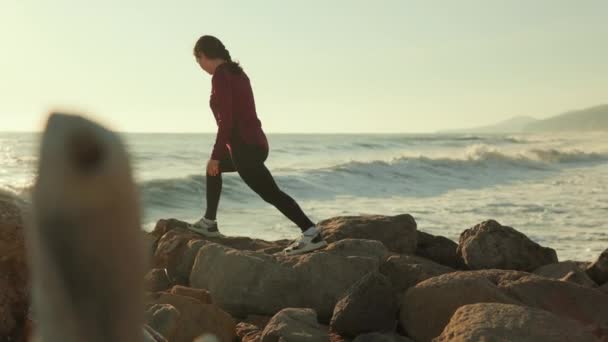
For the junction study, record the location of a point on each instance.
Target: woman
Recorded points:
(241, 146)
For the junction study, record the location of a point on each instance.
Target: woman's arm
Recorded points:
(223, 94)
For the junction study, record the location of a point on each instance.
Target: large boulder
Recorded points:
(360, 248)
(381, 337)
(489, 245)
(196, 318)
(157, 280)
(583, 304)
(439, 249)
(247, 332)
(506, 322)
(427, 307)
(201, 295)
(397, 233)
(175, 253)
(294, 325)
(164, 319)
(405, 271)
(176, 247)
(237, 242)
(580, 278)
(598, 271)
(247, 282)
(561, 269)
(14, 299)
(369, 305)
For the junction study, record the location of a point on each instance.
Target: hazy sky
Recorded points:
(315, 66)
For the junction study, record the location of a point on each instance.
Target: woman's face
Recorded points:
(204, 62)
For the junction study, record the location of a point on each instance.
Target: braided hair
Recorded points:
(212, 47)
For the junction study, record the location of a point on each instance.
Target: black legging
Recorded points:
(248, 161)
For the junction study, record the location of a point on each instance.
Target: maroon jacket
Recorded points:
(233, 106)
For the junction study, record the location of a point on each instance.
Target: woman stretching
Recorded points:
(241, 146)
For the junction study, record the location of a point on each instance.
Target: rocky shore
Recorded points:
(380, 279)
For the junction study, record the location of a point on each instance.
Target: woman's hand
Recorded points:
(213, 167)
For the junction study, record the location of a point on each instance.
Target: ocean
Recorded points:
(551, 187)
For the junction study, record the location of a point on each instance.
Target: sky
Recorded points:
(315, 66)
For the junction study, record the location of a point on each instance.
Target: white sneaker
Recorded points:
(305, 244)
(205, 227)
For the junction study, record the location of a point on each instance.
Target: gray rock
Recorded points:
(583, 304)
(598, 271)
(245, 282)
(381, 337)
(247, 332)
(358, 247)
(151, 335)
(580, 278)
(505, 322)
(427, 307)
(294, 325)
(156, 280)
(439, 249)
(560, 269)
(490, 245)
(369, 305)
(405, 271)
(197, 319)
(163, 318)
(397, 233)
(604, 288)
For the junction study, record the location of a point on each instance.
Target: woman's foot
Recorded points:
(309, 241)
(205, 227)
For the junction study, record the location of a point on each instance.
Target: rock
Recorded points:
(505, 322)
(379, 337)
(164, 319)
(439, 249)
(246, 282)
(397, 233)
(357, 247)
(490, 245)
(580, 278)
(14, 299)
(598, 271)
(151, 335)
(197, 319)
(177, 247)
(156, 280)
(248, 332)
(294, 325)
(582, 304)
(427, 307)
(604, 288)
(405, 271)
(175, 251)
(259, 321)
(560, 269)
(369, 305)
(202, 296)
(236, 242)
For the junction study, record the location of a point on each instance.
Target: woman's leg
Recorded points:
(214, 187)
(251, 168)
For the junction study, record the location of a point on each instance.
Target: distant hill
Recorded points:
(515, 124)
(590, 119)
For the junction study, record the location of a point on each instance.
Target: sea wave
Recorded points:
(479, 166)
